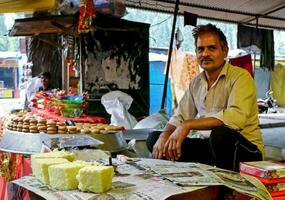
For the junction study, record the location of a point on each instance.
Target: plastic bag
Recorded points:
(157, 120)
(117, 104)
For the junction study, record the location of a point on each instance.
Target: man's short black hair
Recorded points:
(45, 75)
(209, 28)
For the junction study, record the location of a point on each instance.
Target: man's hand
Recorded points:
(157, 151)
(172, 148)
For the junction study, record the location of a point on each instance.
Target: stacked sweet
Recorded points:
(34, 124)
(26, 124)
(97, 128)
(59, 170)
(51, 127)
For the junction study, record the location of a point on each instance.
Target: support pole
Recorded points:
(169, 54)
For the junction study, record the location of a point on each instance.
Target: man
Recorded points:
(38, 83)
(221, 99)
(45, 80)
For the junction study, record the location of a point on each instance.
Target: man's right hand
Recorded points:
(157, 152)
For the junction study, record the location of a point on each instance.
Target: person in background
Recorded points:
(45, 80)
(30, 88)
(38, 83)
(222, 100)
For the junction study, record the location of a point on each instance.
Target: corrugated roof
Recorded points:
(270, 13)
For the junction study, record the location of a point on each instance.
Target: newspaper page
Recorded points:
(182, 174)
(193, 174)
(124, 188)
(152, 179)
(242, 183)
(130, 183)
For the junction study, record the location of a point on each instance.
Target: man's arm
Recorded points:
(172, 148)
(202, 123)
(168, 130)
(157, 151)
(185, 110)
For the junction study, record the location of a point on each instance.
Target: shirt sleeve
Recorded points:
(32, 87)
(185, 110)
(241, 100)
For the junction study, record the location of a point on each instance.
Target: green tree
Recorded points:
(13, 44)
(3, 31)
(8, 43)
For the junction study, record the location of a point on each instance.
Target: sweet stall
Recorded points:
(56, 121)
(69, 118)
(64, 122)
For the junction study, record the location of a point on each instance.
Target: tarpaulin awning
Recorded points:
(12, 6)
(269, 14)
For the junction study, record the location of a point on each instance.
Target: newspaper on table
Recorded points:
(133, 187)
(151, 179)
(196, 174)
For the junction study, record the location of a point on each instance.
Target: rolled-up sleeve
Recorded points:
(241, 100)
(185, 110)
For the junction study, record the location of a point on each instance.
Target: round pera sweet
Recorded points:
(51, 132)
(113, 128)
(51, 123)
(85, 131)
(33, 121)
(51, 128)
(42, 128)
(42, 121)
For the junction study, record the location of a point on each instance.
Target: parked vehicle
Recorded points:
(267, 104)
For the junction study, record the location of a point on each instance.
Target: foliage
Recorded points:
(7, 43)
(3, 30)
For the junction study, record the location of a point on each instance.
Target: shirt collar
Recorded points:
(224, 70)
(222, 73)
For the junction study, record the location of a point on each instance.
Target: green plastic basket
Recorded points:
(71, 112)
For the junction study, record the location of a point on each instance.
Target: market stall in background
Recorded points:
(9, 70)
(99, 69)
(95, 56)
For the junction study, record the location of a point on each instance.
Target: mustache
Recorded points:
(206, 59)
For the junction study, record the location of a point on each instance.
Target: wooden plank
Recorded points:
(43, 25)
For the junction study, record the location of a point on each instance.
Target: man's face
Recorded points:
(45, 81)
(209, 52)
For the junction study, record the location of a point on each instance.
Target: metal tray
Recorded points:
(113, 142)
(138, 134)
(30, 143)
(116, 142)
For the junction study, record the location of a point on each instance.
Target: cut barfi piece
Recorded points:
(63, 176)
(96, 179)
(40, 167)
(56, 154)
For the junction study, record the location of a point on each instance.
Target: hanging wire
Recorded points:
(161, 21)
(156, 4)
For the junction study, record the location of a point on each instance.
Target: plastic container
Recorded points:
(71, 112)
